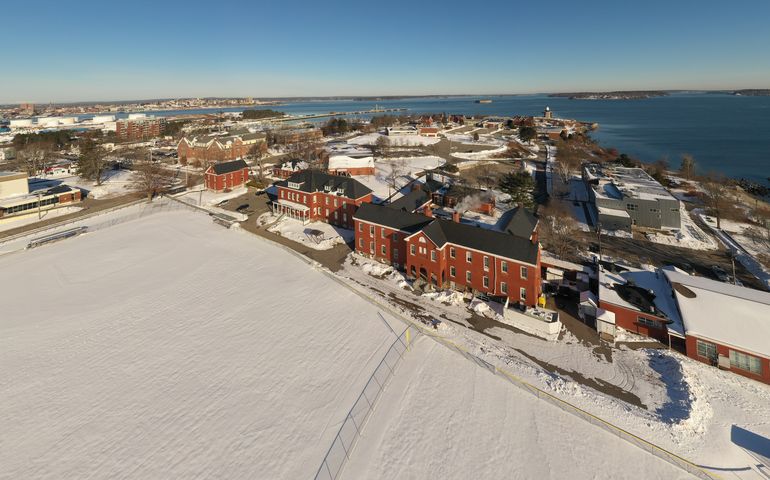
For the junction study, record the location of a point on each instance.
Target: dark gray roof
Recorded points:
(314, 181)
(442, 232)
(391, 217)
(229, 167)
(411, 201)
(59, 189)
(519, 221)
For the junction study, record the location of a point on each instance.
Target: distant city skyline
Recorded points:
(95, 51)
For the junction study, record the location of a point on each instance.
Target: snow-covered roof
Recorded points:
(727, 314)
(339, 162)
(612, 212)
(651, 280)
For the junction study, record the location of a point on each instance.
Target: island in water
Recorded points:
(618, 95)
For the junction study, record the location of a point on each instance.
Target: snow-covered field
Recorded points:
(169, 347)
(444, 417)
(394, 141)
(297, 231)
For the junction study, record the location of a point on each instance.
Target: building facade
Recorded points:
(449, 254)
(624, 197)
(226, 175)
(216, 148)
(312, 196)
(140, 128)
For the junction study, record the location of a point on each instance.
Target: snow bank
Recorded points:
(443, 416)
(301, 233)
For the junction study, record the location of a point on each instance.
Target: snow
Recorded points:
(690, 235)
(115, 183)
(443, 416)
(206, 198)
(407, 167)
(297, 231)
(343, 162)
(482, 155)
(396, 141)
(685, 406)
(169, 347)
(727, 314)
(733, 236)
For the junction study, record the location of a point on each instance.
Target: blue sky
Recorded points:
(74, 51)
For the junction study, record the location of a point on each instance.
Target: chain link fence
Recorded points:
(355, 420)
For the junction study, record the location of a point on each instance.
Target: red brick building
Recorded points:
(287, 169)
(312, 196)
(449, 254)
(226, 175)
(39, 200)
(725, 325)
(634, 296)
(216, 148)
(140, 128)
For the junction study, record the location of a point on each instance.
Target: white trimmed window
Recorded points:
(485, 281)
(360, 227)
(382, 232)
(452, 252)
(412, 249)
(524, 272)
(706, 349)
(745, 362)
(504, 267)
(486, 263)
(468, 276)
(432, 255)
(382, 250)
(468, 257)
(452, 272)
(504, 287)
(522, 293)
(361, 243)
(648, 322)
(371, 230)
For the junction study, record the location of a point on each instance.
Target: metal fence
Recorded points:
(355, 420)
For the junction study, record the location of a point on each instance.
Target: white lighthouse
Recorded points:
(547, 113)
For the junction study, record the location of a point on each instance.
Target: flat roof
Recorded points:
(727, 314)
(613, 212)
(626, 182)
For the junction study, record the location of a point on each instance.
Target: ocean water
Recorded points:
(725, 133)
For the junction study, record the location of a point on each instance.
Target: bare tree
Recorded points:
(687, 168)
(33, 158)
(259, 155)
(382, 146)
(559, 231)
(397, 169)
(150, 178)
(715, 196)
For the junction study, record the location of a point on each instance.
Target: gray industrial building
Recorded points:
(624, 197)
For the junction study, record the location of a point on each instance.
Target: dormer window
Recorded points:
(327, 188)
(294, 185)
(340, 191)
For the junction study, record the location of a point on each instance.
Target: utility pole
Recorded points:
(39, 200)
(599, 237)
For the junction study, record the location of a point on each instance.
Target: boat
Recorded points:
(485, 100)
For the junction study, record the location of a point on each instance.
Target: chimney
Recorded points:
(456, 216)
(427, 211)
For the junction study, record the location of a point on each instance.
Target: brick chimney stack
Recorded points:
(456, 216)
(427, 211)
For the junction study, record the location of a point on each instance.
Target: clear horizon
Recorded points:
(92, 51)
